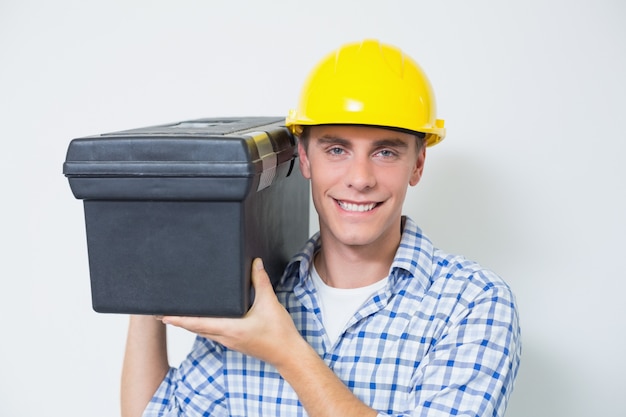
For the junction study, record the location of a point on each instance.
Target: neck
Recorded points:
(343, 266)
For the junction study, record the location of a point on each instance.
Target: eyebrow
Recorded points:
(391, 143)
(381, 143)
(332, 140)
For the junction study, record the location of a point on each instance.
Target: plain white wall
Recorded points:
(529, 181)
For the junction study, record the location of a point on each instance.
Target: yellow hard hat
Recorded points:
(368, 83)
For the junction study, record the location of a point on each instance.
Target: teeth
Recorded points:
(356, 207)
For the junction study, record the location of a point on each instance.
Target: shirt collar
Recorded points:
(300, 263)
(413, 259)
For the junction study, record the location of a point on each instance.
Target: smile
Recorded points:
(356, 207)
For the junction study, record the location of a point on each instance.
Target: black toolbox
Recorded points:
(176, 213)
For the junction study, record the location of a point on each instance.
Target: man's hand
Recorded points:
(265, 332)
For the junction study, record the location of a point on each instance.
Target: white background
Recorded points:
(529, 181)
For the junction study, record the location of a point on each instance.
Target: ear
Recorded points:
(416, 174)
(303, 159)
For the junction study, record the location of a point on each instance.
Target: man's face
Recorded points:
(359, 178)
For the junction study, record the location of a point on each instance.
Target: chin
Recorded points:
(357, 238)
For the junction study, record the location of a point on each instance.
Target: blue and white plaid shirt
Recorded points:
(441, 339)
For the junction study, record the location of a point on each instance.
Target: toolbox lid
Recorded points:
(110, 165)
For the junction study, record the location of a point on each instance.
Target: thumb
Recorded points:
(261, 285)
(260, 279)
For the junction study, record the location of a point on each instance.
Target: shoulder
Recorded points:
(448, 282)
(442, 270)
(472, 295)
(455, 272)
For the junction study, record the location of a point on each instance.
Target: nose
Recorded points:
(360, 174)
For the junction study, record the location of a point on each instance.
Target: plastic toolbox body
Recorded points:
(176, 213)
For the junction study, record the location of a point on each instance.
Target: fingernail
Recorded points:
(259, 264)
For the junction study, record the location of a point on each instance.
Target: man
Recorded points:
(369, 318)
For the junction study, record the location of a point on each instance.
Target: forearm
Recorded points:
(319, 390)
(145, 363)
(267, 332)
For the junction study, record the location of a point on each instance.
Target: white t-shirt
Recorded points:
(338, 305)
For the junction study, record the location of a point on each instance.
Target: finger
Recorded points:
(204, 325)
(260, 279)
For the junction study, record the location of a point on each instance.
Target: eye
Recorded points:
(386, 153)
(335, 150)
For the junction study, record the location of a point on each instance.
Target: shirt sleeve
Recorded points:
(195, 388)
(471, 368)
